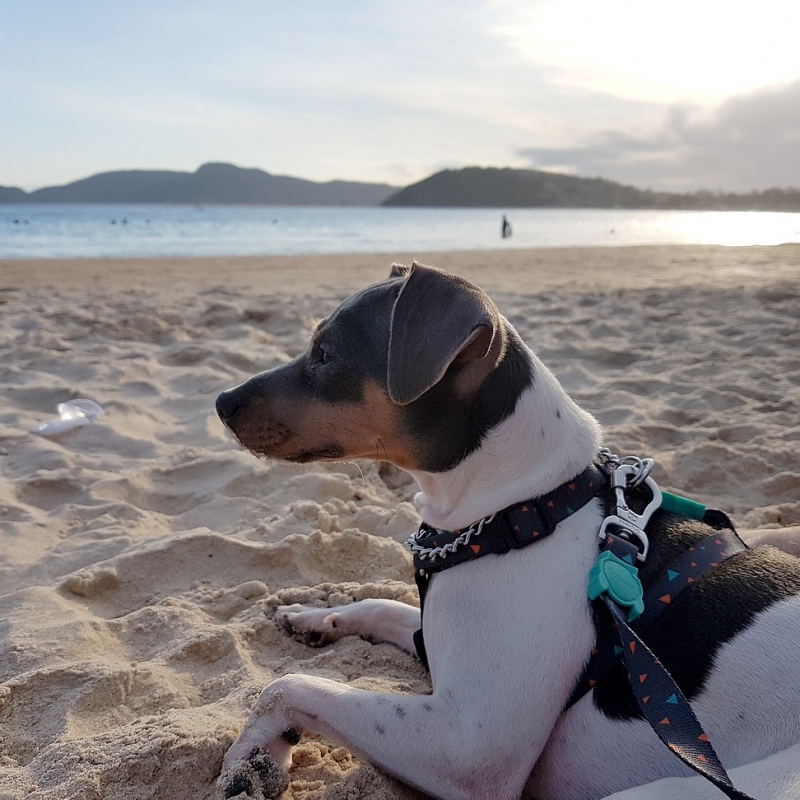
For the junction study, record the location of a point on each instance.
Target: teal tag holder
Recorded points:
(619, 580)
(682, 506)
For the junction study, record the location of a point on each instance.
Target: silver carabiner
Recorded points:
(626, 520)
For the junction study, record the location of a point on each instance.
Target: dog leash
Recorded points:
(667, 710)
(614, 580)
(660, 594)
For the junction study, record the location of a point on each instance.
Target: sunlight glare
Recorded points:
(684, 50)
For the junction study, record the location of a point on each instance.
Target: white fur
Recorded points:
(507, 637)
(528, 454)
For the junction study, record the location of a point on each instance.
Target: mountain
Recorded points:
(210, 184)
(527, 188)
(470, 187)
(513, 188)
(10, 195)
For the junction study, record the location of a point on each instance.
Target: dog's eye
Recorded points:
(324, 355)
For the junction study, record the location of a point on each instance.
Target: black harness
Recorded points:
(618, 639)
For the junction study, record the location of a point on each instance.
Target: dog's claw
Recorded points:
(286, 625)
(258, 777)
(310, 636)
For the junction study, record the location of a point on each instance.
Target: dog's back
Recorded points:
(731, 641)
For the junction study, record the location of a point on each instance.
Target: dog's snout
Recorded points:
(228, 405)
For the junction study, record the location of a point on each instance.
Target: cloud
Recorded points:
(388, 91)
(750, 141)
(665, 51)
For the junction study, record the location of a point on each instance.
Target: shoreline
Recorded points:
(634, 266)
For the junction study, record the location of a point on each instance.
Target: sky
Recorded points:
(677, 95)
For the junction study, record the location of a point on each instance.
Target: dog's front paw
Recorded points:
(258, 777)
(315, 627)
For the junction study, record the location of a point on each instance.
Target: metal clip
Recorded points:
(629, 522)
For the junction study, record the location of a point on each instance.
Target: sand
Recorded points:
(141, 556)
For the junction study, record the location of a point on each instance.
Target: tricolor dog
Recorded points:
(422, 370)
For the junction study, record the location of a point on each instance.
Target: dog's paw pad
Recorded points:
(314, 627)
(258, 777)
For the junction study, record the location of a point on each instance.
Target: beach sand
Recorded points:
(141, 556)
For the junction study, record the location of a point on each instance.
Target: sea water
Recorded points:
(88, 231)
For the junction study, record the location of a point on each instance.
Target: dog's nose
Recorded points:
(227, 406)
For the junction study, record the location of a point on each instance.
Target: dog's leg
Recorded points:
(493, 707)
(375, 620)
(786, 539)
(429, 740)
(774, 778)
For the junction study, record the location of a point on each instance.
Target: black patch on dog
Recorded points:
(710, 612)
(447, 428)
(292, 736)
(357, 335)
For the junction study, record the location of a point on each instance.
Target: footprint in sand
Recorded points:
(47, 491)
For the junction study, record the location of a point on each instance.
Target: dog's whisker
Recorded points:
(385, 453)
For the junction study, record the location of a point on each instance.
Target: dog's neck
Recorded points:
(545, 442)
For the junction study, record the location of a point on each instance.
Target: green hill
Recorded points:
(526, 188)
(210, 184)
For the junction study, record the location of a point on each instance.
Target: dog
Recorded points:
(423, 371)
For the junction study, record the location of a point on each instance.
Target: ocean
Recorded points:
(91, 231)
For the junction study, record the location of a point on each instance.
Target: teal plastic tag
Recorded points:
(682, 506)
(620, 581)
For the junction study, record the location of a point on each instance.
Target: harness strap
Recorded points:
(681, 573)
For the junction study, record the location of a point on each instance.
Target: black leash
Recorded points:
(667, 710)
(659, 698)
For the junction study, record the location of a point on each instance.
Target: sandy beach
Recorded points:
(141, 556)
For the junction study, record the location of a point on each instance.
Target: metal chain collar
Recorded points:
(637, 470)
(640, 467)
(437, 552)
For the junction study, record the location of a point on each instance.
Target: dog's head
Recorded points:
(406, 370)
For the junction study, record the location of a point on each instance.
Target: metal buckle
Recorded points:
(626, 522)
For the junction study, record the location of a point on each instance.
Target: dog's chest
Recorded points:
(731, 641)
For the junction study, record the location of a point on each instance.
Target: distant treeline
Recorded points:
(768, 200)
(469, 187)
(526, 188)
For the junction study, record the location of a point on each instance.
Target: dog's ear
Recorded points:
(399, 270)
(437, 319)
